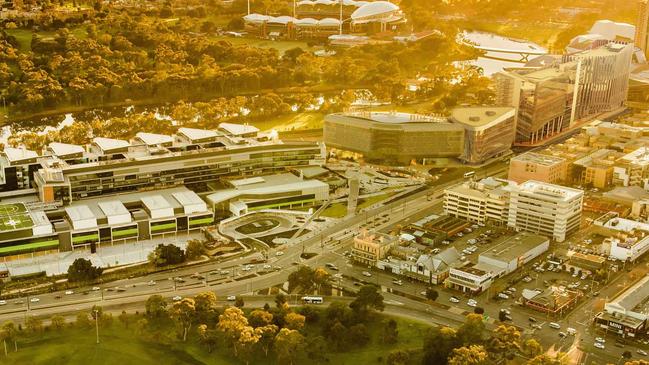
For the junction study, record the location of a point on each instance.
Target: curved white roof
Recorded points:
(284, 19)
(305, 2)
(255, 18)
(373, 9)
(325, 2)
(306, 21)
(613, 30)
(329, 22)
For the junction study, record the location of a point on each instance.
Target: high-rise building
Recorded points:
(642, 25)
(546, 209)
(488, 131)
(565, 92)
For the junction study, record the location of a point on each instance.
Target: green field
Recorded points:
(119, 345)
(14, 216)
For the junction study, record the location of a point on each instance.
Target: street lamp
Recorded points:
(97, 324)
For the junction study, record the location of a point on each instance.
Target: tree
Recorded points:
(9, 333)
(398, 357)
(125, 319)
(302, 278)
(390, 332)
(195, 249)
(82, 270)
(504, 342)
(532, 347)
(368, 297)
(207, 336)
(183, 312)
(232, 323)
(165, 255)
(470, 332)
(206, 308)
(34, 325)
(359, 334)
(431, 293)
(266, 337)
(439, 342)
(289, 345)
(294, 321)
(280, 300)
(83, 321)
(57, 322)
(239, 302)
(478, 310)
(472, 355)
(155, 307)
(260, 318)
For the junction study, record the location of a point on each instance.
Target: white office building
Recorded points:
(546, 209)
(484, 201)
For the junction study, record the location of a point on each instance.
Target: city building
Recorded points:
(470, 278)
(633, 169)
(602, 33)
(628, 239)
(483, 201)
(626, 315)
(567, 92)
(514, 252)
(488, 131)
(539, 167)
(553, 300)
(546, 209)
(434, 269)
(642, 27)
(370, 247)
(266, 192)
(595, 169)
(394, 137)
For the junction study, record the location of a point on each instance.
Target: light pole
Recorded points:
(97, 324)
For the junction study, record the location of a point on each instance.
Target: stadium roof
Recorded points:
(374, 9)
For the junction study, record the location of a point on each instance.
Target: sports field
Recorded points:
(14, 216)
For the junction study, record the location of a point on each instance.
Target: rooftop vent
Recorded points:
(474, 119)
(490, 113)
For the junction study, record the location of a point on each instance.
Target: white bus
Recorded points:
(312, 300)
(469, 174)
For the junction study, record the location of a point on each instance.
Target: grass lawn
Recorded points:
(24, 36)
(118, 345)
(366, 202)
(291, 122)
(337, 210)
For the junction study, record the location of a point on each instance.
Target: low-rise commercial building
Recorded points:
(514, 252)
(539, 167)
(370, 247)
(629, 239)
(553, 300)
(471, 278)
(625, 315)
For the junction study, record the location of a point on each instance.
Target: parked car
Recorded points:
(453, 300)
(599, 345)
(503, 296)
(600, 340)
(69, 292)
(472, 303)
(232, 298)
(365, 273)
(554, 325)
(34, 300)
(177, 298)
(3, 302)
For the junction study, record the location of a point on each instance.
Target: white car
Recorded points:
(69, 292)
(365, 273)
(471, 303)
(503, 296)
(453, 300)
(600, 340)
(338, 276)
(232, 298)
(599, 345)
(34, 300)
(3, 302)
(397, 282)
(177, 298)
(95, 288)
(642, 352)
(151, 283)
(279, 253)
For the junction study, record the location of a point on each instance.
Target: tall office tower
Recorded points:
(641, 25)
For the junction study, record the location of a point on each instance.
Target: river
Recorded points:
(493, 62)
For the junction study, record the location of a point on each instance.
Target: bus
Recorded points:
(312, 300)
(469, 174)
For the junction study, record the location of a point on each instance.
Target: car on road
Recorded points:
(179, 280)
(69, 292)
(177, 298)
(599, 345)
(365, 273)
(34, 300)
(554, 325)
(503, 296)
(338, 276)
(18, 302)
(120, 290)
(600, 340)
(95, 288)
(232, 298)
(397, 282)
(279, 253)
(453, 300)
(3, 302)
(642, 352)
(151, 283)
(562, 334)
(472, 303)
(267, 267)
(531, 319)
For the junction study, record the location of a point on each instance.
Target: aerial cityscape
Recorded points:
(398, 182)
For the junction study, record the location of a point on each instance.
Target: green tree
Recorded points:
(439, 342)
(471, 355)
(207, 337)
(195, 249)
(156, 307)
(504, 342)
(431, 293)
(9, 333)
(470, 332)
(57, 322)
(398, 357)
(532, 347)
(83, 321)
(289, 345)
(165, 255)
(368, 297)
(390, 333)
(232, 323)
(82, 270)
(183, 313)
(294, 321)
(260, 318)
(34, 325)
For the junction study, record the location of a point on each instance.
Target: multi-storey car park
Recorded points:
(113, 190)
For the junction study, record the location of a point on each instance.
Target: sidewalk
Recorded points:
(106, 256)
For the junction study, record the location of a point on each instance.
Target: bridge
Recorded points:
(523, 53)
